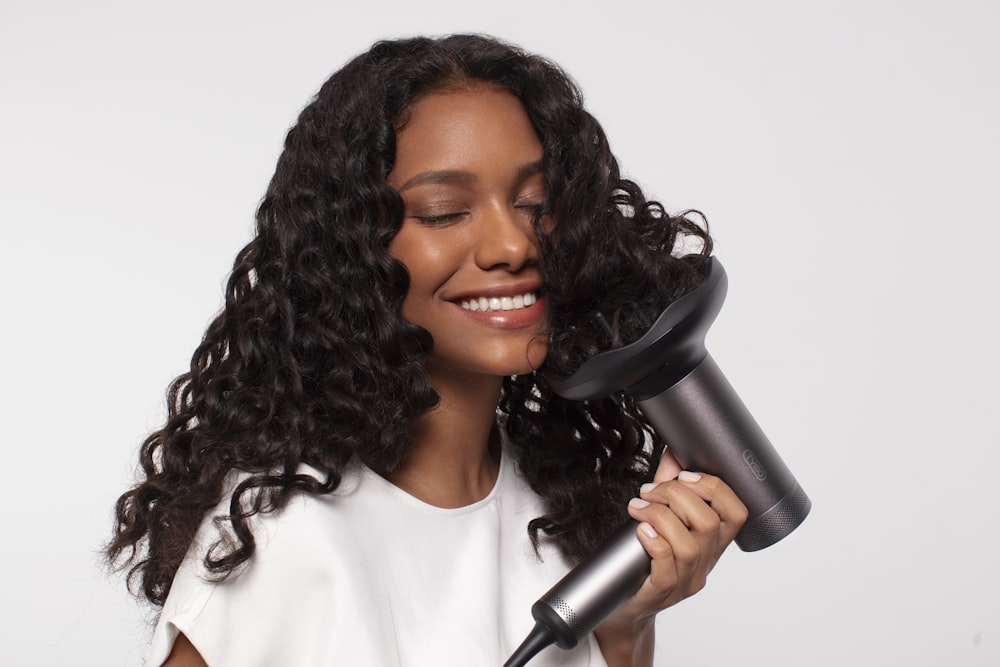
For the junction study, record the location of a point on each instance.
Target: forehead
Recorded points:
(468, 128)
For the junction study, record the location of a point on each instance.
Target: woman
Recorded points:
(362, 466)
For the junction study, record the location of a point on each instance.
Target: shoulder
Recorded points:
(300, 569)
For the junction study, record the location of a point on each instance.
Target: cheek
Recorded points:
(421, 252)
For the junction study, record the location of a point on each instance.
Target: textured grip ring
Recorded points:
(775, 523)
(566, 613)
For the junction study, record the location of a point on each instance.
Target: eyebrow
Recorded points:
(530, 169)
(457, 176)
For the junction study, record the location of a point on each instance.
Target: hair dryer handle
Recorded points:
(594, 588)
(586, 595)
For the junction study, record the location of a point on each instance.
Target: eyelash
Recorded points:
(444, 218)
(439, 219)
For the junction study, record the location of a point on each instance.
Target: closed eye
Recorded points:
(440, 219)
(537, 212)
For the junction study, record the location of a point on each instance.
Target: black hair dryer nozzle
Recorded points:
(689, 402)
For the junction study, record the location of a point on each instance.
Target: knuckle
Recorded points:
(710, 483)
(661, 550)
(664, 573)
(657, 491)
(658, 547)
(686, 551)
(742, 514)
(712, 523)
(674, 491)
(664, 581)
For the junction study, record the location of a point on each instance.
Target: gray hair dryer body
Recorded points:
(689, 402)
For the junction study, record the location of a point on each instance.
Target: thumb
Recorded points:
(668, 468)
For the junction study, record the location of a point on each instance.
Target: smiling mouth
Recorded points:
(486, 304)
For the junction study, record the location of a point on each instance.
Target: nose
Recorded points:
(506, 240)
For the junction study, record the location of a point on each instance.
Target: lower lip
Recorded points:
(509, 319)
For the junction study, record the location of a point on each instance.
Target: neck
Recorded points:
(452, 463)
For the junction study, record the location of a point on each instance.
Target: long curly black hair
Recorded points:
(310, 362)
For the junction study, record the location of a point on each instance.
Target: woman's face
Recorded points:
(468, 166)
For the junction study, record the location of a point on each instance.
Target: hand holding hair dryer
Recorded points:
(685, 397)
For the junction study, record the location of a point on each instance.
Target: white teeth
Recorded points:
(487, 304)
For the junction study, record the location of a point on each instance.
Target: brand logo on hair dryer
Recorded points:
(754, 465)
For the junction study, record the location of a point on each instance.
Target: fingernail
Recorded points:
(647, 487)
(638, 503)
(688, 476)
(648, 529)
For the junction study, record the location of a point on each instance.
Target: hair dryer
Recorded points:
(685, 397)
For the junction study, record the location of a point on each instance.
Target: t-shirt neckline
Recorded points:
(422, 505)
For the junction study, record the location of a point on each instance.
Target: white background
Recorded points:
(846, 154)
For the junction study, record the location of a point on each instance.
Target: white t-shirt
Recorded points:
(370, 575)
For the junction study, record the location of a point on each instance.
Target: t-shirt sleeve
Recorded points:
(282, 607)
(188, 597)
(245, 618)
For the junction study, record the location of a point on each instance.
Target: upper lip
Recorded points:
(511, 289)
